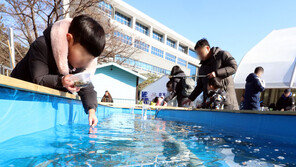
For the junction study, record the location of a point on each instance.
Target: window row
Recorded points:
(141, 28)
(121, 18)
(157, 51)
(141, 45)
(123, 38)
(182, 62)
(142, 65)
(170, 57)
(105, 7)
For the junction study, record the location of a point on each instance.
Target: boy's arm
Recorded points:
(89, 98)
(38, 65)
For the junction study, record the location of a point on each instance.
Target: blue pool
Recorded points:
(129, 137)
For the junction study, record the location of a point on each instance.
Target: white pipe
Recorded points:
(12, 51)
(293, 75)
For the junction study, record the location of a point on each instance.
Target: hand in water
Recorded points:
(92, 118)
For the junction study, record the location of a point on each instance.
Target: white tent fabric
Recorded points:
(156, 89)
(276, 53)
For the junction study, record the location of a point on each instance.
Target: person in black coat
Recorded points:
(214, 63)
(253, 88)
(85, 41)
(107, 98)
(286, 101)
(175, 86)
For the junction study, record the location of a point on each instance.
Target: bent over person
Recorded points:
(214, 63)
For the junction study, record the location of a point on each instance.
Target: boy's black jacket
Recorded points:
(39, 67)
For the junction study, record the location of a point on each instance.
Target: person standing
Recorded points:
(177, 86)
(214, 63)
(253, 88)
(286, 101)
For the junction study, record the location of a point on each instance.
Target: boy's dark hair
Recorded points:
(258, 69)
(201, 43)
(88, 33)
(169, 84)
(215, 82)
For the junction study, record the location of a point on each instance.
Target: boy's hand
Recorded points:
(69, 84)
(212, 75)
(92, 118)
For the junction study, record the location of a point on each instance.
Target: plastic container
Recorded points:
(81, 80)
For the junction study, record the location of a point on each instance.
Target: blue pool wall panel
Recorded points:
(280, 128)
(23, 112)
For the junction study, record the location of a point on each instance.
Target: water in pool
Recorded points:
(126, 139)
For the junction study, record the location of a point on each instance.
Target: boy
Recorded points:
(217, 96)
(85, 40)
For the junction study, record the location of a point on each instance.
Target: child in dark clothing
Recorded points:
(216, 96)
(67, 47)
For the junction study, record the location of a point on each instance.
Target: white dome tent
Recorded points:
(276, 53)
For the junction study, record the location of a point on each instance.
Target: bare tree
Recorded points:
(30, 17)
(4, 49)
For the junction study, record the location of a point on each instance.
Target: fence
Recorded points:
(4, 70)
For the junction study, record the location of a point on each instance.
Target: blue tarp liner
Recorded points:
(23, 112)
(280, 128)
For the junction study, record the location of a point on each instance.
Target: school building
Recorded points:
(160, 47)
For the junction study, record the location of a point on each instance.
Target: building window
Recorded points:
(141, 28)
(157, 36)
(141, 65)
(183, 49)
(124, 38)
(122, 19)
(193, 70)
(192, 53)
(141, 45)
(170, 57)
(157, 51)
(182, 62)
(171, 43)
(106, 8)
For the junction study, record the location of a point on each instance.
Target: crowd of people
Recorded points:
(216, 83)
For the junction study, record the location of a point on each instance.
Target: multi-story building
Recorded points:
(161, 47)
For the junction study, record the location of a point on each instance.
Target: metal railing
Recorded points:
(4, 70)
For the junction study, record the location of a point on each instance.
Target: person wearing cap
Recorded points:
(286, 101)
(253, 88)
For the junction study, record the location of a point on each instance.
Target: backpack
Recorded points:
(188, 85)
